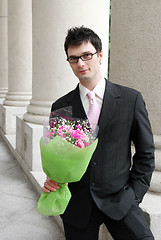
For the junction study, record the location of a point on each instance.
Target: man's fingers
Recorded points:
(50, 186)
(45, 190)
(55, 183)
(48, 180)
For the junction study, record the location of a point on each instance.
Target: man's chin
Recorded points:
(84, 77)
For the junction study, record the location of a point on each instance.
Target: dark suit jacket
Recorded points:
(111, 180)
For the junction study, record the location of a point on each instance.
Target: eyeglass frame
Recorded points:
(77, 58)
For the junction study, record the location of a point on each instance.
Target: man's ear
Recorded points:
(101, 56)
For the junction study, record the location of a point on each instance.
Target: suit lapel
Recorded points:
(78, 110)
(109, 105)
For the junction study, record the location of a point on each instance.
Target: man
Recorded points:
(112, 187)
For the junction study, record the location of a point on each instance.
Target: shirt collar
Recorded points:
(99, 89)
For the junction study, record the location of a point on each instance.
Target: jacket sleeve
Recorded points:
(143, 159)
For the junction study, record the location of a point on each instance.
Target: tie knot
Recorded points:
(91, 95)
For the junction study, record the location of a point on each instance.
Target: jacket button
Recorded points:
(93, 164)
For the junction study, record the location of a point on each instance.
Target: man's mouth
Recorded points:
(83, 71)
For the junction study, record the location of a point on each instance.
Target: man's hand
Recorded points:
(50, 185)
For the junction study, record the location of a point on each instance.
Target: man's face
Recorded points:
(87, 71)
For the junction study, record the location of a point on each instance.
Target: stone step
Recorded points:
(151, 206)
(157, 141)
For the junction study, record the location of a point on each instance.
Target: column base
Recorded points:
(18, 99)
(3, 92)
(2, 100)
(37, 111)
(8, 118)
(34, 118)
(27, 143)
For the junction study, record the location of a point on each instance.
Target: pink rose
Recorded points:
(79, 143)
(86, 144)
(78, 134)
(67, 129)
(79, 127)
(53, 131)
(60, 133)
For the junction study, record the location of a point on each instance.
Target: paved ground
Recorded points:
(18, 217)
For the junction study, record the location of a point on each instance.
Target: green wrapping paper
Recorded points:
(62, 162)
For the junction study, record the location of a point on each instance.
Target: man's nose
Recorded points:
(81, 62)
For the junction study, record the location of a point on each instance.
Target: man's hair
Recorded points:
(78, 35)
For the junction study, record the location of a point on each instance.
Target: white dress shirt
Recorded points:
(99, 91)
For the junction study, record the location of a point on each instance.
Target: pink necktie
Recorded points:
(94, 109)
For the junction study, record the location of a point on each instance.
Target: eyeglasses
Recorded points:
(84, 57)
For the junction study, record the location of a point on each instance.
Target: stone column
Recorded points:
(3, 56)
(52, 76)
(3, 50)
(135, 62)
(19, 62)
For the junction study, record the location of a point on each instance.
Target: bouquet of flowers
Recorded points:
(66, 149)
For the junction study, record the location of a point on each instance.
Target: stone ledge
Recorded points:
(157, 141)
(155, 185)
(8, 116)
(150, 203)
(151, 206)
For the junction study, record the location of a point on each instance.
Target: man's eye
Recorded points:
(73, 58)
(87, 55)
